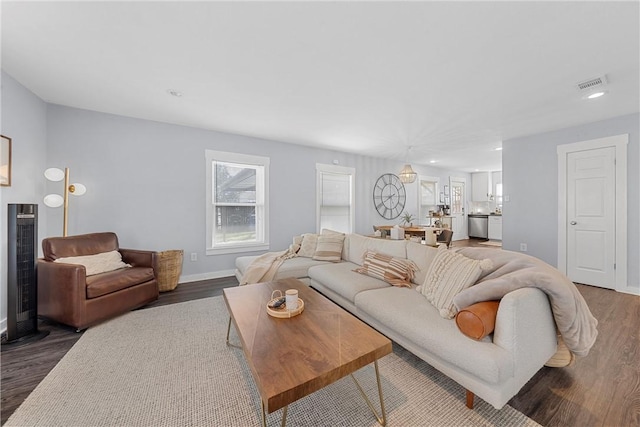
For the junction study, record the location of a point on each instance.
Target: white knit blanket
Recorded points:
(265, 267)
(512, 270)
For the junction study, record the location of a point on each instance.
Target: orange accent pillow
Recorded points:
(478, 320)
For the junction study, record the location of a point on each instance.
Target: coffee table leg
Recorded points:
(264, 415)
(228, 331)
(381, 420)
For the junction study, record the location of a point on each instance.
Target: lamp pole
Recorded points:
(66, 202)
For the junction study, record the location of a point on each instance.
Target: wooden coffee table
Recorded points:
(292, 358)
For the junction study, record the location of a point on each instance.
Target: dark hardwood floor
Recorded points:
(602, 389)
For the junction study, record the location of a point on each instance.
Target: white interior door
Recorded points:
(458, 217)
(591, 239)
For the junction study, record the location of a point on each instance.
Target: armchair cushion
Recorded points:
(85, 244)
(106, 283)
(98, 263)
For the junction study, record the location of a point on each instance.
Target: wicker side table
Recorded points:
(169, 267)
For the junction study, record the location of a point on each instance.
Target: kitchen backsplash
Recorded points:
(482, 207)
(479, 207)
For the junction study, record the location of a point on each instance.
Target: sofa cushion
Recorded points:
(308, 245)
(342, 280)
(113, 281)
(418, 321)
(329, 247)
(98, 263)
(297, 267)
(422, 256)
(358, 245)
(450, 273)
(396, 271)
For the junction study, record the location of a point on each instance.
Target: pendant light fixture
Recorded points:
(407, 174)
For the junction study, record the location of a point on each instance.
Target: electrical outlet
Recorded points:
(507, 198)
(194, 256)
(523, 247)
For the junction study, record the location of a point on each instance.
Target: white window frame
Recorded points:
(229, 248)
(341, 170)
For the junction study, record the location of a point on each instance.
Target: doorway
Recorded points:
(592, 195)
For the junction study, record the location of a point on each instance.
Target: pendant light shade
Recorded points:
(407, 175)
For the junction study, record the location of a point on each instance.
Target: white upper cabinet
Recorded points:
(481, 186)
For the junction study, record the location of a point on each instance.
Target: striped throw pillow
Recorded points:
(396, 271)
(329, 248)
(448, 275)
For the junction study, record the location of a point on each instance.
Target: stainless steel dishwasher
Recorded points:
(478, 226)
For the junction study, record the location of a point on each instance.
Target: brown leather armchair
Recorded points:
(67, 295)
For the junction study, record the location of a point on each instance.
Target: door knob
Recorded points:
(573, 223)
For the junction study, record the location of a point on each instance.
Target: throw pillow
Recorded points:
(329, 248)
(294, 247)
(98, 263)
(450, 273)
(308, 245)
(396, 271)
(423, 256)
(478, 320)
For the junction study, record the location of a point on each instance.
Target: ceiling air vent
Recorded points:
(593, 83)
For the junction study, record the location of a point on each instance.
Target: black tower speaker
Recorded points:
(22, 285)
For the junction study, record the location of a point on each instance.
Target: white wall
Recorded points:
(146, 182)
(24, 121)
(530, 179)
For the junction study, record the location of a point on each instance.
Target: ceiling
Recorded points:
(430, 81)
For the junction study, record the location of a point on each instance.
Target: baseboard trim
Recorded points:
(206, 276)
(630, 290)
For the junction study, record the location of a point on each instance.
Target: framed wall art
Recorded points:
(5, 161)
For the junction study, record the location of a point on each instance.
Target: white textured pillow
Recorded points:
(98, 263)
(295, 245)
(329, 248)
(308, 245)
(450, 273)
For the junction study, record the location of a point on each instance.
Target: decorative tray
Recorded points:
(282, 311)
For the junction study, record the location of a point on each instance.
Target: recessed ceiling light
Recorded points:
(432, 161)
(497, 149)
(596, 95)
(174, 92)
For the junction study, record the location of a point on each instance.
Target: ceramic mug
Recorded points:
(291, 296)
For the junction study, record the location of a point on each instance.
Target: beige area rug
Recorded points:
(169, 366)
(490, 243)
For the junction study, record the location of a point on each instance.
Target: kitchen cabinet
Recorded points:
(495, 227)
(481, 186)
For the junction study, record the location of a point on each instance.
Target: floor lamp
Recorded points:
(56, 200)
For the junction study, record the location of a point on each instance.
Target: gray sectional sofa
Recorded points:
(494, 369)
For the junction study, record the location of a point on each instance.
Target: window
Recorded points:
(428, 190)
(499, 195)
(457, 202)
(237, 208)
(335, 188)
